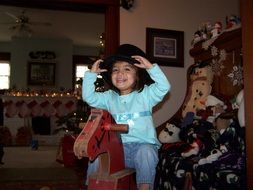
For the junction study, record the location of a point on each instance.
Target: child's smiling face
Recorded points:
(124, 77)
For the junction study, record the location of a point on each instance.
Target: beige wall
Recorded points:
(182, 15)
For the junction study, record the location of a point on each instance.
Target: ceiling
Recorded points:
(82, 28)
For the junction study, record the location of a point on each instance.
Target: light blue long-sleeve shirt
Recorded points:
(134, 109)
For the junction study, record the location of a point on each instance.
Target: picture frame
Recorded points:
(41, 73)
(165, 47)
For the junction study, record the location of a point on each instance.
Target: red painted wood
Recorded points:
(97, 141)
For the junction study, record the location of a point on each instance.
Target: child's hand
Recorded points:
(143, 62)
(95, 67)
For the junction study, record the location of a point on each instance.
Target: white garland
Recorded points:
(217, 62)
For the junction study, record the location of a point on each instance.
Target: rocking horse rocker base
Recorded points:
(122, 180)
(100, 139)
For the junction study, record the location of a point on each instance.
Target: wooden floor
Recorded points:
(26, 169)
(25, 157)
(42, 178)
(40, 185)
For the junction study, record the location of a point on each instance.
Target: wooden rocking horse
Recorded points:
(100, 138)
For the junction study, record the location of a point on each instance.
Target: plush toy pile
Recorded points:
(208, 30)
(207, 142)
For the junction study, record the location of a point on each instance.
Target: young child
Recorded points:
(136, 86)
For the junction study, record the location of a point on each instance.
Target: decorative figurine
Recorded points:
(232, 21)
(216, 29)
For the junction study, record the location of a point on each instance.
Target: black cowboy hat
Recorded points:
(125, 53)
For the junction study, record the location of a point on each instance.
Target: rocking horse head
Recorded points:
(98, 138)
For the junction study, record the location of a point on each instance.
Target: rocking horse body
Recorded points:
(100, 138)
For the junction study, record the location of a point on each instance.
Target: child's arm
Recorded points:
(89, 94)
(143, 62)
(160, 88)
(95, 67)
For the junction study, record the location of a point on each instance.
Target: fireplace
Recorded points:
(41, 125)
(37, 112)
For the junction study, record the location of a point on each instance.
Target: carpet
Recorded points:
(27, 169)
(25, 157)
(15, 174)
(41, 179)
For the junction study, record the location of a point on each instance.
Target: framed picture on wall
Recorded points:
(165, 47)
(40, 73)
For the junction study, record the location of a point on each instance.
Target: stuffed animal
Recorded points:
(214, 107)
(196, 97)
(241, 112)
(201, 78)
(127, 4)
(194, 149)
(197, 136)
(232, 21)
(171, 142)
(216, 29)
(203, 33)
(170, 134)
(213, 101)
(222, 122)
(197, 37)
(206, 28)
(202, 70)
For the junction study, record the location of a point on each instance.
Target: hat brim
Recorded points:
(108, 62)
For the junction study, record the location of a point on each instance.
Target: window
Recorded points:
(80, 69)
(81, 63)
(4, 75)
(79, 72)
